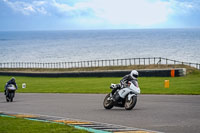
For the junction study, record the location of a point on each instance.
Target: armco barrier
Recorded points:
(115, 73)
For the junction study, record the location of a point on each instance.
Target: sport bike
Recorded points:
(123, 97)
(10, 93)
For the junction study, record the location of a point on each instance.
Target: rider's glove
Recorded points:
(113, 86)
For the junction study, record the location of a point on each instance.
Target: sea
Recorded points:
(86, 45)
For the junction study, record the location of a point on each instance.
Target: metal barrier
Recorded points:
(99, 63)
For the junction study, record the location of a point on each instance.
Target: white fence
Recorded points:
(98, 63)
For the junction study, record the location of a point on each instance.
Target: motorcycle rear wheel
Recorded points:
(108, 103)
(130, 104)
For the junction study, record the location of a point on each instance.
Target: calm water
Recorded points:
(54, 46)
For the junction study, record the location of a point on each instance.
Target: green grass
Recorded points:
(189, 84)
(20, 125)
(62, 85)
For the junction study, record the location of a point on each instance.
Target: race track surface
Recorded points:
(164, 113)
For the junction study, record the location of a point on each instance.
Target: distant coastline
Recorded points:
(193, 28)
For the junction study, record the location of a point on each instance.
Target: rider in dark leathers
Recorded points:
(12, 81)
(132, 77)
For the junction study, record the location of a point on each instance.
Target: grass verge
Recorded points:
(131, 67)
(189, 84)
(19, 125)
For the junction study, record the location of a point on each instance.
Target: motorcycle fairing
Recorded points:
(124, 92)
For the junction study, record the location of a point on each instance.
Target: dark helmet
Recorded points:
(12, 79)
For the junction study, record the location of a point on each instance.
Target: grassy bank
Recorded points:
(131, 67)
(19, 125)
(189, 84)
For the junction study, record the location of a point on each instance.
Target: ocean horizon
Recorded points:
(83, 45)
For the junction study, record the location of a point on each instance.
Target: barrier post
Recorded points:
(166, 84)
(172, 73)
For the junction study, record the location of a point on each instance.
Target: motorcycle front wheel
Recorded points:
(130, 104)
(11, 96)
(7, 99)
(108, 102)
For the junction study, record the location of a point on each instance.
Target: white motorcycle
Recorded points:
(125, 97)
(10, 93)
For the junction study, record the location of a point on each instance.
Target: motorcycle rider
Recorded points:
(11, 81)
(132, 77)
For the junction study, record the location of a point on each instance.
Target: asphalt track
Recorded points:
(163, 113)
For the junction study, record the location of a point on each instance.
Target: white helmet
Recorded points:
(134, 74)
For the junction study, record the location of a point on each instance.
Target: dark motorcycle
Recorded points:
(10, 92)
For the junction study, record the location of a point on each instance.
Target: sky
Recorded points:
(17, 15)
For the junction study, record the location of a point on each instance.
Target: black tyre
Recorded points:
(7, 96)
(11, 96)
(108, 103)
(130, 104)
(7, 99)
